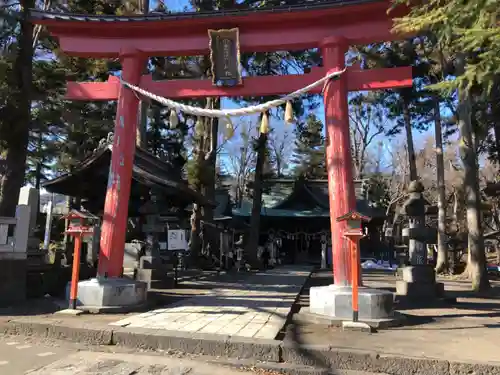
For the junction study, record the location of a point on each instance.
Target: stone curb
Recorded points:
(353, 359)
(92, 334)
(198, 343)
(296, 358)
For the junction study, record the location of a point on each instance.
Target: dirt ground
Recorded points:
(461, 331)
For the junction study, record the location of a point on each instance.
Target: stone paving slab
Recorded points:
(92, 363)
(257, 307)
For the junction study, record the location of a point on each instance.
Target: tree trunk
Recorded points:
(476, 266)
(209, 180)
(495, 111)
(496, 132)
(194, 238)
(442, 249)
(202, 152)
(409, 140)
(254, 232)
(209, 172)
(17, 137)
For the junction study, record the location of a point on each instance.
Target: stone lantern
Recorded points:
(418, 278)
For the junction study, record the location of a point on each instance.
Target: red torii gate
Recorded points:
(331, 25)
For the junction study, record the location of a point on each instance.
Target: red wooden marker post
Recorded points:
(354, 232)
(75, 274)
(78, 227)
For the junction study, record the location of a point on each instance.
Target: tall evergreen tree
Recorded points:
(403, 105)
(309, 155)
(16, 113)
(470, 32)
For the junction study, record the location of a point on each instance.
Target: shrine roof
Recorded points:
(89, 178)
(305, 5)
(302, 198)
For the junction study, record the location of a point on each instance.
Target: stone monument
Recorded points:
(29, 196)
(13, 256)
(418, 278)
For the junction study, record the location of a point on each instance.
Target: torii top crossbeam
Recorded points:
(282, 28)
(185, 34)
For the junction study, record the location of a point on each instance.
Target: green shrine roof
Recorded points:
(302, 198)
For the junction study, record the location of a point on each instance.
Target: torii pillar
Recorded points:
(334, 301)
(338, 155)
(114, 227)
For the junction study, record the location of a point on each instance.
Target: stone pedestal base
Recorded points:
(110, 295)
(335, 302)
(419, 291)
(13, 278)
(419, 282)
(154, 273)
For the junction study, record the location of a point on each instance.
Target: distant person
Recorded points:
(239, 253)
(265, 258)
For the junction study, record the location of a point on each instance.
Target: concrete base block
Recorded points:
(336, 302)
(356, 326)
(419, 290)
(110, 295)
(307, 317)
(153, 272)
(418, 274)
(419, 283)
(154, 279)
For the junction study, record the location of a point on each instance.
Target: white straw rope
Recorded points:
(231, 112)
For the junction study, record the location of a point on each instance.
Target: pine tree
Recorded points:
(468, 27)
(404, 106)
(16, 111)
(309, 155)
(470, 32)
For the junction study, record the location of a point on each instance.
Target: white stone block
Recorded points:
(110, 294)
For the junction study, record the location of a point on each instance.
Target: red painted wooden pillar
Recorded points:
(114, 225)
(338, 156)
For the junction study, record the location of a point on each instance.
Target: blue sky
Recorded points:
(180, 5)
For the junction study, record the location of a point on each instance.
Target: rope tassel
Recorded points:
(228, 127)
(288, 113)
(173, 119)
(264, 124)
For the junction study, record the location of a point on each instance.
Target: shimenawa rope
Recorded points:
(203, 112)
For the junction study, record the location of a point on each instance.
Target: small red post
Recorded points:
(353, 222)
(78, 228)
(75, 276)
(355, 278)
